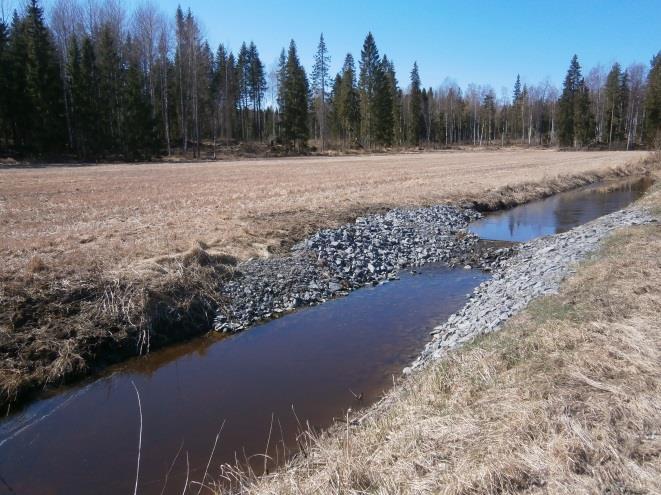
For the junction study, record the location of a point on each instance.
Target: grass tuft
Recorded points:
(36, 265)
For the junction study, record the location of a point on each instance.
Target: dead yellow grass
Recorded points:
(566, 399)
(105, 262)
(110, 217)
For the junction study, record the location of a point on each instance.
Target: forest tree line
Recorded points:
(95, 82)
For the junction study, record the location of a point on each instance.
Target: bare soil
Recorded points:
(104, 262)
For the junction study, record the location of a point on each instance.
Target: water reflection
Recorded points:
(561, 212)
(313, 360)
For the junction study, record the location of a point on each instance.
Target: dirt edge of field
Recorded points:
(565, 399)
(63, 330)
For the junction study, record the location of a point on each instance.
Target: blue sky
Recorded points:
(472, 41)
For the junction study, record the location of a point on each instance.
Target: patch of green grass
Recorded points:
(551, 308)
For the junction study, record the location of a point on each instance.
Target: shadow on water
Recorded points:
(317, 360)
(561, 212)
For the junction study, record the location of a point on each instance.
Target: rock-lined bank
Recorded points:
(537, 268)
(332, 262)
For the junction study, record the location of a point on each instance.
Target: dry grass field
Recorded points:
(565, 399)
(100, 263)
(69, 219)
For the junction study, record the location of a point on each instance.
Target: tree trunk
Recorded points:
(164, 103)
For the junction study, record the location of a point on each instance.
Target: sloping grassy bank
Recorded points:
(565, 399)
(58, 329)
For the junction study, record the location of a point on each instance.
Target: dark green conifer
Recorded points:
(370, 71)
(139, 124)
(349, 101)
(575, 120)
(382, 106)
(653, 103)
(415, 117)
(295, 99)
(615, 96)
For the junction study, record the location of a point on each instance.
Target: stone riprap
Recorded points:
(537, 268)
(373, 248)
(333, 262)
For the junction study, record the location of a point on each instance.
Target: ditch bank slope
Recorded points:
(538, 268)
(57, 331)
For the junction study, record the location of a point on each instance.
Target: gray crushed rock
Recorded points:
(333, 262)
(537, 268)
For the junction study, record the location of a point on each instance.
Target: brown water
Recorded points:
(561, 212)
(312, 362)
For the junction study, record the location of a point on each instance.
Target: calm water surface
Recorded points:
(85, 440)
(561, 212)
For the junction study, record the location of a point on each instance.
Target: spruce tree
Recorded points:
(566, 105)
(42, 83)
(218, 65)
(415, 117)
(164, 87)
(139, 140)
(653, 103)
(204, 75)
(575, 120)
(257, 86)
(382, 106)
(349, 101)
(523, 103)
(243, 79)
(584, 123)
(425, 128)
(87, 90)
(74, 78)
(370, 71)
(4, 83)
(320, 84)
(232, 89)
(224, 91)
(517, 106)
(397, 101)
(295, 100)
(19, 105)
(334, 111)
(489, 113)
(110, 71)
(516, 95)
(614, 96)
(181, 57)
(281, 76)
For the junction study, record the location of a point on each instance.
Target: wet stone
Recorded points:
(335, 261)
